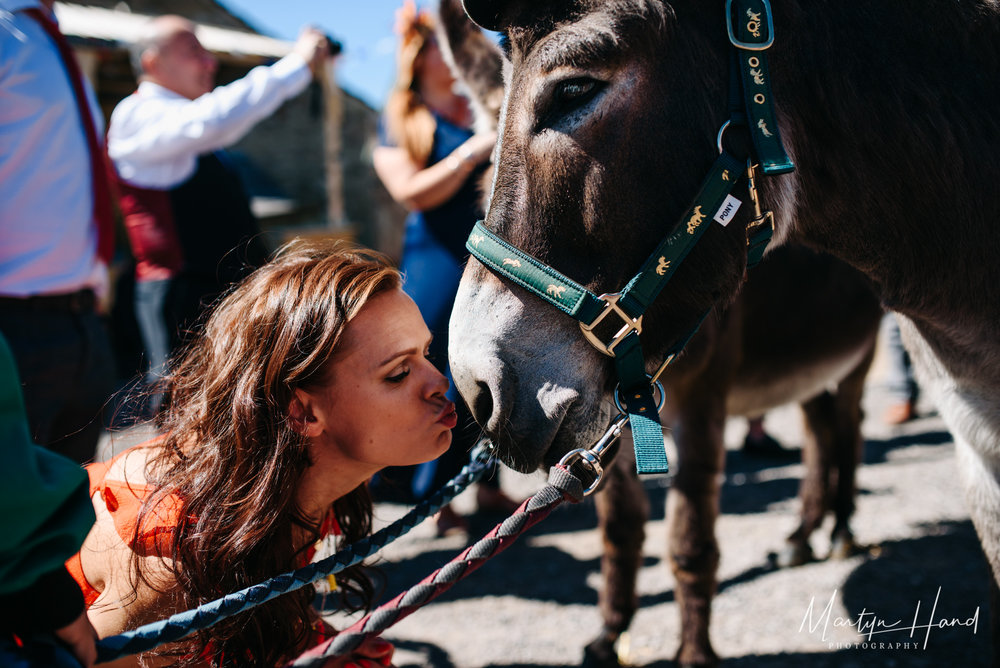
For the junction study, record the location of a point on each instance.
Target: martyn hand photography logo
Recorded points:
(880, 632)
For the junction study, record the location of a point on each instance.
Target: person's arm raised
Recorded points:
(164, 128)
(422, 188)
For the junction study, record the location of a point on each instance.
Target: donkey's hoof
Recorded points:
(794, 554)
(600, 654)
(842, 545)
(702, 659)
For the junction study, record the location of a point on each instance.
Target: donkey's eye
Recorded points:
(575, 92)
(567, 97)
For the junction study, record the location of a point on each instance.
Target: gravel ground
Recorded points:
(535, 604)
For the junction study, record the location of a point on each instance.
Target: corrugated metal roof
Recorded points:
(91, 22)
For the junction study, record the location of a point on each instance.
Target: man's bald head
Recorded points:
(168, 53)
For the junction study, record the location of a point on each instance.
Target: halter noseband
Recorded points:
(751, 32)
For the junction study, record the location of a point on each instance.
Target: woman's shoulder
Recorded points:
(125, 601)
(130, 465)
(124, 493)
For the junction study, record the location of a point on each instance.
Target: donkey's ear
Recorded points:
(499, 15)
(486, 13)
(475, 60)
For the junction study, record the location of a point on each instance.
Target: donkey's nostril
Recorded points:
(482, 404)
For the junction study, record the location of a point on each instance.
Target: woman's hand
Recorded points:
(313, 47)
(420, 188)
(478, 148)
(372, 653)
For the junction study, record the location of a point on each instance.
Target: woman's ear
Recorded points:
(300, 414)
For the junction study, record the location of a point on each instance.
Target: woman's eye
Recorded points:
(398, 377)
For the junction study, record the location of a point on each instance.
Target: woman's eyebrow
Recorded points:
(405, 353)
(397, 355)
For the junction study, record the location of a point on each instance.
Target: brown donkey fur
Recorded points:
(609, 122)
(801, 329)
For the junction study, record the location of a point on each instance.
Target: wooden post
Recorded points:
(333, 116)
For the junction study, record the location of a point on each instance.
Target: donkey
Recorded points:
(611, 116)
(802, 329)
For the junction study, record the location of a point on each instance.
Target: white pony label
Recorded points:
(727, 210)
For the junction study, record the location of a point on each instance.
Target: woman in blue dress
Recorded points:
(432, 162)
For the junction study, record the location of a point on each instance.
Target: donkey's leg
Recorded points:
(817, 454)
(831, 453)
(622, 510)
(847, 455)
(692, 509)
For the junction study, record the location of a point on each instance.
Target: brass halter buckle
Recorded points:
(761, 217)
(631, 325)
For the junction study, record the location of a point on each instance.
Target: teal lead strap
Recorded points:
(640, 404)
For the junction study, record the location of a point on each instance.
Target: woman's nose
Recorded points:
(438, 383)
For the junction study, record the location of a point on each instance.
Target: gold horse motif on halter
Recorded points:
(512, 262)
(696, 219)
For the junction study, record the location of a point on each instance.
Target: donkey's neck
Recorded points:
(889, 114)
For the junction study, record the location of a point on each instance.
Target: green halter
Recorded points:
(713, 202)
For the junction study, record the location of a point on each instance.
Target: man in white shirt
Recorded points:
(52, 267)
(186, 213)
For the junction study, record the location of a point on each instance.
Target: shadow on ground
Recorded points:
(892, 579)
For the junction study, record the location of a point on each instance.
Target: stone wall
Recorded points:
(369, 208)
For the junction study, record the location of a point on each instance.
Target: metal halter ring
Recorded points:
(722, 131)
(590, 460)
(656, 385)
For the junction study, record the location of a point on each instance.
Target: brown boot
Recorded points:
(899, 413)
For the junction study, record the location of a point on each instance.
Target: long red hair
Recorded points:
(409, 121)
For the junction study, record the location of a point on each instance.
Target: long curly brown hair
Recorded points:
(231, 455)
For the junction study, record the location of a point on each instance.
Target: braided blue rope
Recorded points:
(208, 614)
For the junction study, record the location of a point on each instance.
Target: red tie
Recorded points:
(99, 168)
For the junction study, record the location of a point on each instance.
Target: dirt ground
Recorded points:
(535, 604)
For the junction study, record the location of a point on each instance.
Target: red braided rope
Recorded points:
(562, 486)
